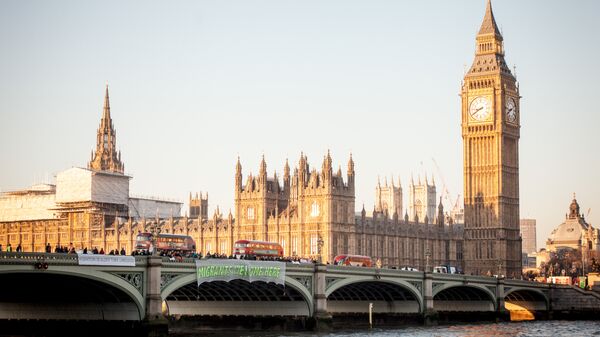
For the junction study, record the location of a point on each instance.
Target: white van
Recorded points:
(440, 269)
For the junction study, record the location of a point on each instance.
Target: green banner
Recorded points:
(232, 269)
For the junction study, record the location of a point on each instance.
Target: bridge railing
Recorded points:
(29, 258)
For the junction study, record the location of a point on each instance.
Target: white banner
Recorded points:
(226, 270)
(106, 260)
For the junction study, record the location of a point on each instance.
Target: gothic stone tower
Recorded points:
(199, 206)
(490, 131)
(106, 157)
(421, 200)
(388, 198)
(311, 207)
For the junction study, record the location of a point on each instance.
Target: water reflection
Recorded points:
(507, 329)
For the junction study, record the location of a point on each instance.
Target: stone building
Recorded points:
(574, 233)
(91, 207)
(315, 205)
(312, 212)
(402, 243)
(421, 200)
(491, 129)
(528, 236)
(388, 199)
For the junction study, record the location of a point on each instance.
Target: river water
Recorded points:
(506, 329)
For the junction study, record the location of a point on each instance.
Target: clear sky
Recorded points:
(194, 84)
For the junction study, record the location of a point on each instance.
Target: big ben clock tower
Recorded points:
(490, 131)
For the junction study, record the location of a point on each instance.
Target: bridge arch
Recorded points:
(124, 292)
(387, 295)
(457, 296)
(236, 292)
(526, 299)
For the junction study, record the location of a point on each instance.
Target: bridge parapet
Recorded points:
(29, 258)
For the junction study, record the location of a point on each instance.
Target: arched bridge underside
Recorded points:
(464, 299)
(526, 300)
(386, 298)
(238, 298)
(48, 296)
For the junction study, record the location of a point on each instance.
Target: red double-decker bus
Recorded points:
(257, 248)
(165, 242)
(353, 260)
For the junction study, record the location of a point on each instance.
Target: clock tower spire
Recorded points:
(491, 130)
(106, 157)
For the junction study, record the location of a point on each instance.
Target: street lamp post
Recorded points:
(320, 248)
(499, 267)
(427, 256)
(155, 231)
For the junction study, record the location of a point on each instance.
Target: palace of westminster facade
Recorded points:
(310, 212)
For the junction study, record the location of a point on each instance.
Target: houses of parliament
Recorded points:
(311, 212)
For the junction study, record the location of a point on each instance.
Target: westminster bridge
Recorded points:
(50, 287)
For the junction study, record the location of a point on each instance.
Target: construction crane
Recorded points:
(445, 192)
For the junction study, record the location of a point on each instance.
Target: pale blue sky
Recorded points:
(194, 84)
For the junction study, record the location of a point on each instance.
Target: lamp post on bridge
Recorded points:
(320, 244)
(155, 231)
(499, 267)
(427, 256)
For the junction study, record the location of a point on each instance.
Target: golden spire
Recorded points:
(488, 26)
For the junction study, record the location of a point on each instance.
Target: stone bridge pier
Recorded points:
(154, 322)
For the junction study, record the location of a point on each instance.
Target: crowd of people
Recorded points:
(180, 255)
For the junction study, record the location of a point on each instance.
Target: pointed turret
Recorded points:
(351, 172)
(286, 169)
(106, 157)
(327, 168)
(440, 215)
(106, 113)
(302, 170)
(263, 167)
(286, 177)
(488, 26)
(238, 175)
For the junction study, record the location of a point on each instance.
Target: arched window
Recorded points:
(314, 209)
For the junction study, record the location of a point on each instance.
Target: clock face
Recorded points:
(480, 108)
(511, 110)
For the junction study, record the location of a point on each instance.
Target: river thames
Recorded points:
(505, 329)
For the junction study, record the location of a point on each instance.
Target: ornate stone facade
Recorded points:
(421, 200)
(490, 131)
(388, 199)
(403, 243)
(106, 157)
(574, 233)
(311, 207)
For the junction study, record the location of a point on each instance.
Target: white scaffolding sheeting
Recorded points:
(81, 185)
(32, 204)
(144, 207)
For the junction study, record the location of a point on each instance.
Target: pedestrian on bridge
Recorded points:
(9, 248)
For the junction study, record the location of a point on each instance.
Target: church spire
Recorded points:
(106, 157)
(106, 112)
